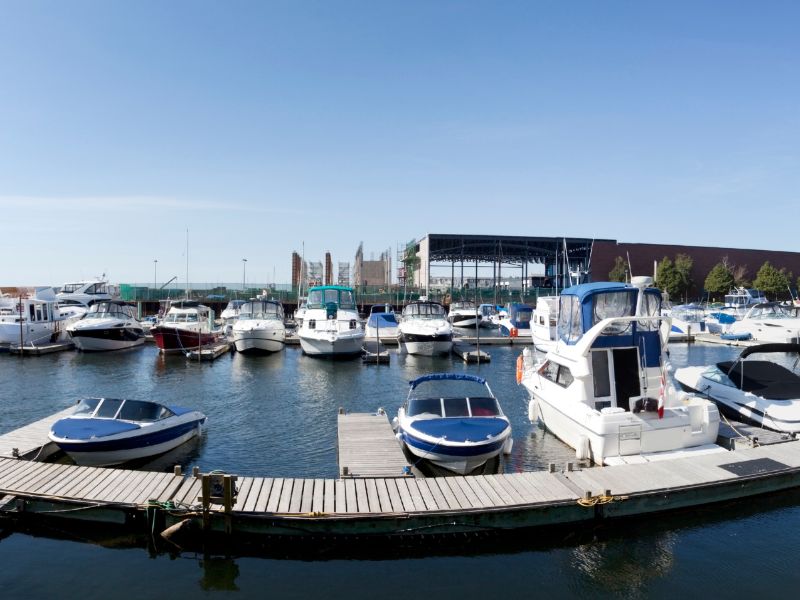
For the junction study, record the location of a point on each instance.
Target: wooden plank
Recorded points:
(131, 486)
(318, 505)
(526, 491)
(100, 486)
(11, 469)
(297, 496)
(249, 504)
(405, 496)
(427, 496)
(339, 496)
(372, 495)
(42, 478)
(148, 491)
(394, 496)
(308, 496)
(416, 495)
(502, 480)
(90, 482)
(488, 488)
(65, 482)
(367, 446)
(329, 497)
(286, 496)
(454, 502)
(437, 494)
(245, 486)
(25, 467)
(457, 484)
(383, 495)
(264, 495)
(275, 495)
(351, 500)
(169, 490)
(18, 483)
(188, 493)
(483, 498)
(362, 498)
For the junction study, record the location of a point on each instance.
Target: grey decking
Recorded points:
(368, 448)
(31, 438)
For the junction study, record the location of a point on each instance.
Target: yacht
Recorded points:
(231, 312)
(760, 392)
(108, 325)
(187, 325)
(425, 330)
(35, 319)
(464, 314)
(742, 299)
(687, 320)
(330, 324)
(381, 323)
(86, 293)
(543, 323)
(768, 322)
(488, 314)
(518, 321)
(603, 388)
(260, 327)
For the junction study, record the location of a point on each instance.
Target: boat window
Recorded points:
(138, 410)
(549, 370)
(456, 407)
(611, 305)
(651, 307)
(71, 287)
(484, 407)
(192, 318)
(600, 375)
(565, 377)
(331, 296)
(87, 406)
(108, 408)
(569, 319)
(714, 374)
(424, 406)
(314, 298)
(32, 311)
(44, 312)
(346, 299)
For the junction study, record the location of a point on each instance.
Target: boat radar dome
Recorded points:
(642, 281)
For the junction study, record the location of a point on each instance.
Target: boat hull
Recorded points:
(258, 341)
(426, 345)
(331, 344)
(464, 320)
(107, 339)
(173, 340)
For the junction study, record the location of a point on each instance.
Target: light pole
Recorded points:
(155, 274)
(244, 273)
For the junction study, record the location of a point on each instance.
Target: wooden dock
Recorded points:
(368, 448)
(709, 338)
(470, 354)
(32, 441)
(40, 350)
(210, 352)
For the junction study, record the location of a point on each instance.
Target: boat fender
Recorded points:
(520, 366)
(508, 446)
(582, 448)
(514, 332)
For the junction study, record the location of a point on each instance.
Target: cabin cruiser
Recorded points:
(769, 322)
(381, 323)
(464, 314)
(518, 321)
(760, 392)
(687, 319)
(742, 299)
(424, 329)
(231, 312)
(454, 421)
(110, 431)
(543, 323)
(36, 320)
(86, 293)
(603, 389)
(259, 327)
(187, 325)
(488, 314)
(108, 325)
(330, 324)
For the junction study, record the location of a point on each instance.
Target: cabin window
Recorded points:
(312, 324)
(564, 377)
(600, 375)
(32, 311)
(38, 313)
(44, 312)
(108, 408)
(425, 406)
(569, 319)
(456, 407)
(549, 370)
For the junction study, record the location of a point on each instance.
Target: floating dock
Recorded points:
(469, 353)
(40, 350)
(210, 352)
(31, 441)
(374, 353)
(368, 448)
(363, 504)
(709, 338)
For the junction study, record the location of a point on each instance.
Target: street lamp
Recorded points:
(244, 273)
(155, 274)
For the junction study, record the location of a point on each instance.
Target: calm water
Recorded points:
(276, 416)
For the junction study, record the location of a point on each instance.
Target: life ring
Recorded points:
(520, 366)
(514, 332)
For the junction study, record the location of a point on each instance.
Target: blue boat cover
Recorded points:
(469, 429)
(386, 320)
(86, 429)
(179, 410)
(446, 377)
(585, 289)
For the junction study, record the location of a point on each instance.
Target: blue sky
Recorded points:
(262, 125)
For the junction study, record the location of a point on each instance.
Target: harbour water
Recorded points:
(276, 416)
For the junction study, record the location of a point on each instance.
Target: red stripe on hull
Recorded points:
(177, 340)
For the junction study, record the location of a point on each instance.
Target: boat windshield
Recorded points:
(70, 288)
(713, 373)
(181, 318)
(261, 310)
(464, 305)
(454, 407)
(771, 311)
(105, 310)
(690, 314)
(611, 305)
(140, 410)
(108, 408)
(344, 298)
(87, 406)
(424, 310)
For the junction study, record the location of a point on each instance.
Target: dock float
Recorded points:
(31, 441)
(470, 354)
(374, 353)
(368, 447)
(210, 352)
(40, 350)
(708, 338)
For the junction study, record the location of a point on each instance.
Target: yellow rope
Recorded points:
(600, 499)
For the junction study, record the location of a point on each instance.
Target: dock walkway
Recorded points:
(368, 448)
(31, 440)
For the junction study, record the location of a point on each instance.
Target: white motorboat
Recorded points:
(769, 322)
(603, 389)
(330, 325)
(760, 392)
(188, 325)
(259, 327)
(687, 320)
(518, 321)
(381, 323)
(110, 431)
(742, 299)
(36, 320)
(543, 323)
(488, 313)
(86, 293)
(454, 421)
(424, 329)
(464, 314)
(108, 325)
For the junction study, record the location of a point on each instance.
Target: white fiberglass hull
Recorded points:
(385, 333)
(427, 347)
(32, 334)
(115, 457)
(96, 344)
(325, 343)
(258, 338)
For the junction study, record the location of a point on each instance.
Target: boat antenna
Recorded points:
(188, 289)
(630, 268)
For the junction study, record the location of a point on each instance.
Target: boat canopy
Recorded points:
(425, 310)
(261, 309)
(322, 296)
(446, 377)
(762, 378)
(382, 320)
(769, 348)
(110, 308)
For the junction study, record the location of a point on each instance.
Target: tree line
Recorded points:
(674, 276)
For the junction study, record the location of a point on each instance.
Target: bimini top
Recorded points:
(586, 289)
(446, 377)
(324, 295)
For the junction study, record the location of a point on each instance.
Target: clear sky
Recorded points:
(261, 125)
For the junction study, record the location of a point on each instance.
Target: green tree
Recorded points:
(719, 280)
(668, 278)
(772, 281)
(620, 270)
(683, 267)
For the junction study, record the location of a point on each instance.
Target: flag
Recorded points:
(662, 392)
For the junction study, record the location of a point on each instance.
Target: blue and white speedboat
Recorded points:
(518, 321)
(454, 421)
(381, 323)
(109, 431)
